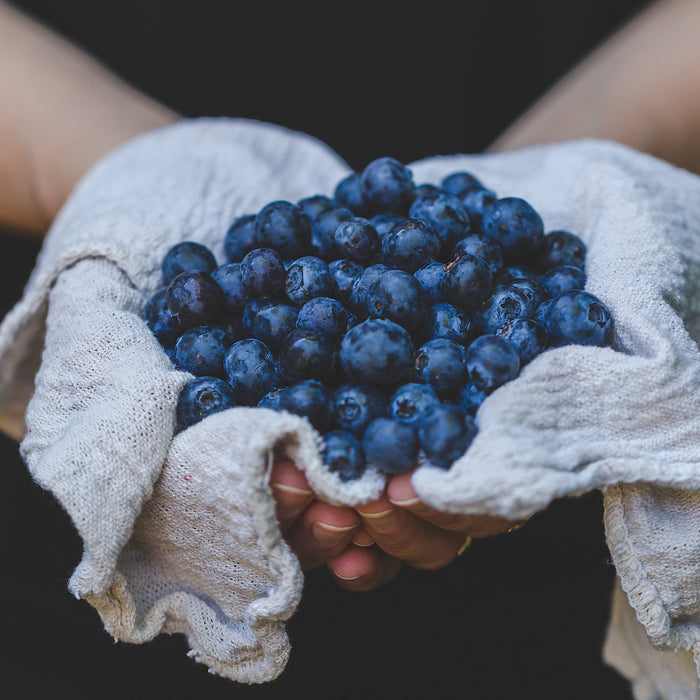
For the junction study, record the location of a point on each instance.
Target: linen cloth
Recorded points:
(179, 530)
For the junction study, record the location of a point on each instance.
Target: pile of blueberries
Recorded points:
(384, 315)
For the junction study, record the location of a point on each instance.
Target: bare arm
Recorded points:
(641, 88)
(60, 112)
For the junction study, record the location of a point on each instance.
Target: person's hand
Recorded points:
(365, 548)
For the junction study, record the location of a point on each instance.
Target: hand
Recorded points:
(365, 548)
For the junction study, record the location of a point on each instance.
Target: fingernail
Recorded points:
(290, 499)
(330, 534)
(385, 521)
(293, 490)
(402, 493)
(345, 578)
(406, 504)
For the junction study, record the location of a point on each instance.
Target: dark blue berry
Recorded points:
(446, 321)
(195, 299)
(343, 455)
(160, 319)
(579, 318)
(356, 238)
(399, 297)
(384, 222)
(467, 282)
(307, 354)
(187, 257)
(390, 446)
(200, 351)
(326, 315)
(272, 399)
(441, 364)
(516, 226)
(492, 361)
(388, 186)
(445, 433)
(459, 183)
(532, 289)
(272, 323)
(358, 293)
(350, 194)
(410, 402)
(470, 398)
(446, 214)
(528, 336)
(355, 406)
(504, 304)
(251, 370)
(410, 244)
(476, 201)
(541, 311)
(262, 273)
(430, 276)
(561, 248)
(230, 279)
(562, 279)
(481, 247)
(344, 273)
(240, 238)
(201, 397)
(284, 227)
(307, 277)
(313, 206)
(323, 232)
(516, 272)
(376, 351)
(311, 399)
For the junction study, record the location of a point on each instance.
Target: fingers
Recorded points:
(400, 493)
(407, 537)
(360, 569)
(291, 492)
(322, 533)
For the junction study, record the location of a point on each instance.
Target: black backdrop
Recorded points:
(520, 615)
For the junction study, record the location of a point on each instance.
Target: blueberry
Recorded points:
(410, 244)
(410, 402)
(307, 277)
(358, 293)
(160, 319)
(528, 336)
(230, 279)
(272, 399)
(563, 278)
(284, 227)
(350, 194)
(250, 311)
(442, 365)
(492, 361)
(326, 315)
(313, 206)
(445, 433)
(426, 188)
(470, 398)
(388, 186)
(399, 297)
(311, 399)
(580, 318)
(481, 247)
(240, 238)
(355, 406)
(356, 238)
(201, 351)
(505, 304)
(447, 216)
(323, 232)
(187, 257)
(459, 183)
(467, 282)
(251, 370)
(201, 397)
(390, 446)
(430, 276)
(541, 311)
(383, 222)
(262, 272)
(195, 299)
(516, 226)
(343, 455)
(307, 354)
(561, 248)
(344, 273)
(446, 321)
(376, 351)
(516, 272)
(272, 323)
(476, 201)
(532, 289)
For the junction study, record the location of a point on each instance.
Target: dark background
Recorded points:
(520, 615)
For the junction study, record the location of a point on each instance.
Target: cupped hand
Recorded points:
(366, 547)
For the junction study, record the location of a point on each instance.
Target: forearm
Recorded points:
(640, 88)
(61, 111)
